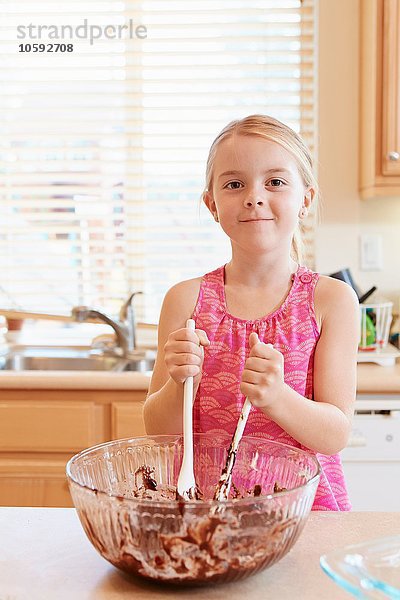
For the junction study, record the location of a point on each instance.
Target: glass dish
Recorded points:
(367, 570)
(124, 493)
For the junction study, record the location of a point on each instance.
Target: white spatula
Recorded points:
(186, 485)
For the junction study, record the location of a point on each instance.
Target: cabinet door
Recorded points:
(49, 426)
(380, 98)
(127, 420)
(41, 429)
(373, 485)
(34, 481)
(391, 88)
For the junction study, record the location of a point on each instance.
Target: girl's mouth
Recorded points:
(254, 220)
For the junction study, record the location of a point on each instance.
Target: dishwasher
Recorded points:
(371, 459)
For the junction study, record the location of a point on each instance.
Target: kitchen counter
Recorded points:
(44, 553)
(74, 380)
(371, 379)
(80, 337)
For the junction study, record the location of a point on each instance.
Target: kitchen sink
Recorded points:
(67, 359)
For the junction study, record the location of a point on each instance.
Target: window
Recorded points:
(103, 149)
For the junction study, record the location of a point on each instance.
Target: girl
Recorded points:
(267, 328)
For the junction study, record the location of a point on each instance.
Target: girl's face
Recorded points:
(257, 193)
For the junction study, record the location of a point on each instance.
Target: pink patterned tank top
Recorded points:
(293, 330)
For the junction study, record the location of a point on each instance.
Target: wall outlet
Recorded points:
(371, 252)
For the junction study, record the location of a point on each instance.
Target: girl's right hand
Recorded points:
(184, 354)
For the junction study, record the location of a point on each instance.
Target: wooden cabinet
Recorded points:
(41, 429)
(380, 98)
(126, 420)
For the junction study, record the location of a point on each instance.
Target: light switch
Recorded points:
(371, 253)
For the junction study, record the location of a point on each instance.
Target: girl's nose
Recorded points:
(253, 200)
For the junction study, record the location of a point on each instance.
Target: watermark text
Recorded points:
(85, 31)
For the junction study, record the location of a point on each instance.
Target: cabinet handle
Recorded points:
(394, 155)
(356, 439)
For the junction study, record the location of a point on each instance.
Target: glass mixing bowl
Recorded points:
(124, 494)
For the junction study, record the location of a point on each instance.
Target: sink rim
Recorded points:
(107, 363)
(22, 362)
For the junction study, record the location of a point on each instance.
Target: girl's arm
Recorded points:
(179, 356)
(324, 423)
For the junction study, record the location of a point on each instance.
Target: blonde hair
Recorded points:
(270, 129)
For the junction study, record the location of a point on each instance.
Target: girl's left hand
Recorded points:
(263, 375)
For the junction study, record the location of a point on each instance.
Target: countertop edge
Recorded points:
(371, 379)
(74, 380)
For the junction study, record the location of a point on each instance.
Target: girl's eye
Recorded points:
(233, 185)
(276, 182)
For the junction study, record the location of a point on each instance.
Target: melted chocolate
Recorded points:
(257, 490)
(147, 480)
(188, 546)
(208, 553)
(278, 488)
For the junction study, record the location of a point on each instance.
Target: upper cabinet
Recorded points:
(380, 98)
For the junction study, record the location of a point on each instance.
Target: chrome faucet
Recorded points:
(125, 327)
(127, 315)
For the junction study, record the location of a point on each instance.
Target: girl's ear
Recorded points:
(208, 200)
(307, 201)
(210, 203)
(308, 197)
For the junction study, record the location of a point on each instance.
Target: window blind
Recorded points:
(103, 149)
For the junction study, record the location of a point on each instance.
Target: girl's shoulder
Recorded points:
(332, 297)
(182, 297)
(185, 285)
